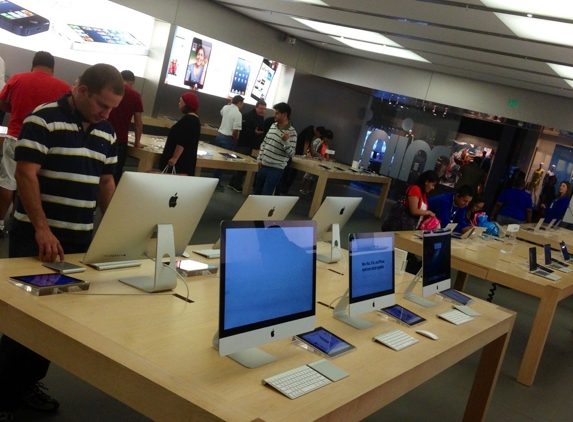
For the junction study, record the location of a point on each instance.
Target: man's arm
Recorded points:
(29, 190)
(4, 105)
(138, 123)
(105, 191)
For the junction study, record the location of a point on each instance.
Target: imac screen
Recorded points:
(436, 262)
(334, 210)
(267, 282)
(371, 271)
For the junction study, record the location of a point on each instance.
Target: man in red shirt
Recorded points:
(120, 118)
(20, 96)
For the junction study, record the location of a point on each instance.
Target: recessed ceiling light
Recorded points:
(539, 29)
(551, 8)
(346, 32)
(381, 49)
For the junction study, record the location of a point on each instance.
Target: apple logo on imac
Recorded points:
(342, 210)
(272, 333)
(173, 201)
(271, 211)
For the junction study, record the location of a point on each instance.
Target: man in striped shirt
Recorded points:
(66, 157)
(277, 147)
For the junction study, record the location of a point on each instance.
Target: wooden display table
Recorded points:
(164, 122)
(553, 237)
(487, 261)
(153, 351)
(313, 167)
(153, 149)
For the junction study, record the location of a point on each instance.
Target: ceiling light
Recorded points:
(346, 32)
(551, 8)
(316, 2)
(380, 49)
(539, 29)
(563, 71)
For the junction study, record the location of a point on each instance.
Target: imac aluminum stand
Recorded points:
(164, 278)
(409, 293)
(250, 358)
(341, 313)
(335, 254)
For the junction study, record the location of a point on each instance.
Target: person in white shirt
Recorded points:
(228, 134)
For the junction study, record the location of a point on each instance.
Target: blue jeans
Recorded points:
(223, 142)
(268, 179)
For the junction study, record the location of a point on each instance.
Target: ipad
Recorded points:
(403, 315)
(47, 284)
(457, 296)
(326, 342)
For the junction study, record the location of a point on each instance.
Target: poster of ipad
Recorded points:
(197, 64)
(264, 79)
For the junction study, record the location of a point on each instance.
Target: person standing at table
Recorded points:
(557, 209)
(250, 139)
(120, 117)
(514, 205)
(2, 83)
(58, 194)
(228, 135)
(277, 147)
(21, 94)
(451, 207)
(180, 150)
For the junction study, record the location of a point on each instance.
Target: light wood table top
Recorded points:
(168, 123)
(541, 237)
(153, 351)
(486, 260)
(153, 148)
(339, 171)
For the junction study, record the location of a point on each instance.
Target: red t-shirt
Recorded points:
(417, 192)
(26, 91)
(120, 117)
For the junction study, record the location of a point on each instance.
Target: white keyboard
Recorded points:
(456, 317)
(114, 265)
(396, 339)
(297, 381)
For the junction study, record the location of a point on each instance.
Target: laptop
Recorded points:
(535, 268)
(451, 226)
(472, 233)
(552, 262)
(256, 208)
(565, 252)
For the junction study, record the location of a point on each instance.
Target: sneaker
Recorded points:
(6, 416)
(236, 189)
(220, 188)
(36, 399)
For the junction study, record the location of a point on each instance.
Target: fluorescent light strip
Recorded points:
(343, 31)
(381, 49)
(563, 71)
(539, 29)
(552, 8)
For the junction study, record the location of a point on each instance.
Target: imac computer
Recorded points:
(267, 286)
(371, 277)
(256, 208)
(153, 216)
(436, 267)
(330, 219)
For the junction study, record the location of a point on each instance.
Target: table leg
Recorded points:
(485, 379)
(198, 171)
(248, 183)
(461, 279)
(385, 188)
(318, 194)
(537, 337)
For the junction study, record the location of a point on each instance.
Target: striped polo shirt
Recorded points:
(71, 163)
(274, 152)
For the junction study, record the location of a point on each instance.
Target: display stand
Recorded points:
(164, 278)
(409, 293)
(250, 358)
(341, 313)
(335, 254)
